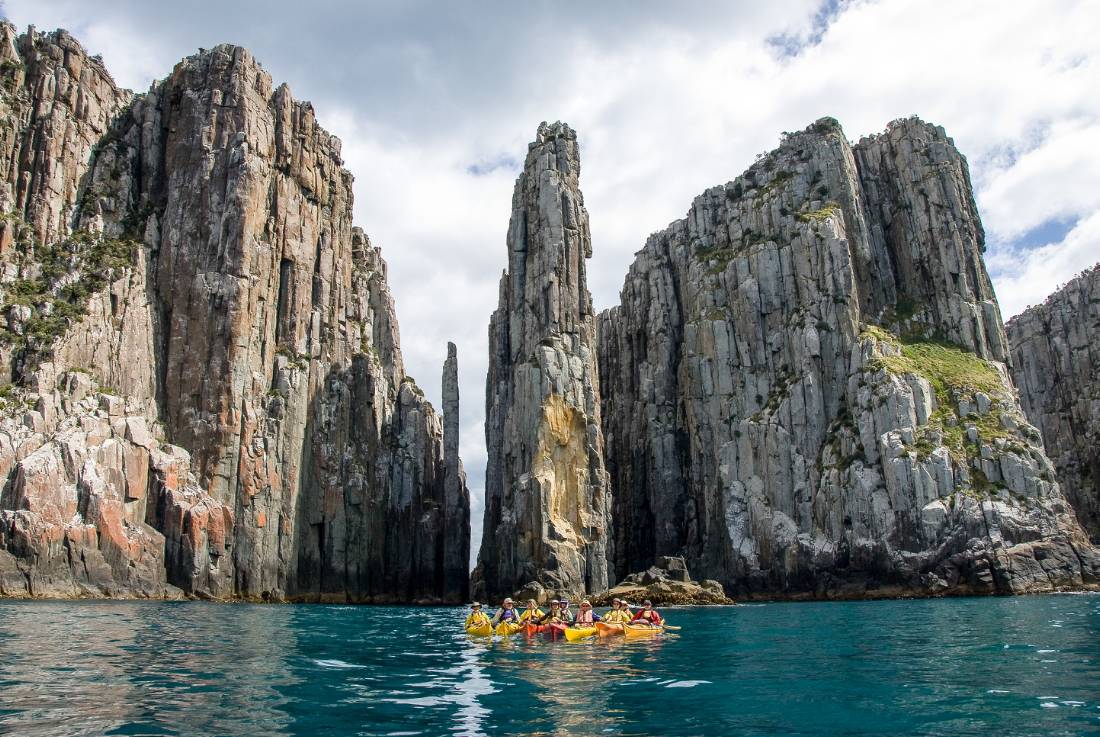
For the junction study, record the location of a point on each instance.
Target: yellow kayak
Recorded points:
(508, 628)
(480, 630)
(635, 630)
(575, 634)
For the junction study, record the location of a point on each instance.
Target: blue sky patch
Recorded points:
(488, 166)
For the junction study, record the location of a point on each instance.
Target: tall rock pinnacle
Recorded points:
(547, 509)
(456, 497)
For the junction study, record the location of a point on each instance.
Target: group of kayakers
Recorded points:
(561, 616)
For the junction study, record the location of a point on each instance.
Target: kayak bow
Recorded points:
(634, 630)
(606, 629)
(504, 629)
(576, 634)
(480, 630)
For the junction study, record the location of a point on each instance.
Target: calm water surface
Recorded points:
(1024, 666)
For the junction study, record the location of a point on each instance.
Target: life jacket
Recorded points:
(616, 616)
(560, 617)
(477, 618)
(584, 617)
(531, 615)
(650, 616)
(507, 615)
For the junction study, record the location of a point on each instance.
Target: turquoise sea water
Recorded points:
(1022, 666)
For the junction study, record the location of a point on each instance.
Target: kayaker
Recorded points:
(618, 613)
(476, 618)
(564, 614)
(586, 615)
(647, 615)
(552, 615)
(532, 613)
(506, 613)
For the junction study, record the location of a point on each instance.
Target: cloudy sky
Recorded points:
(435, 103)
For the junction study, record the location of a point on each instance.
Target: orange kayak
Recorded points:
(531, 629)
(603, 629)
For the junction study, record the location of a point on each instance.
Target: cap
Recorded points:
(507, 600)
(555, 601)
(647, 602)
(476, 605)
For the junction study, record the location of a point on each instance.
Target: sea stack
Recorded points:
(456, 497)
(547, 506)
(1056, 365)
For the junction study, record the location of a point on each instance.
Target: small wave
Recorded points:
(1074, 703)
(1049, 705)
(1047, 651)
(997, 690)
(339, 664)
(1046, 698)
(686, 684)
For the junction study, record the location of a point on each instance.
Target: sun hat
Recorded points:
(476, 605)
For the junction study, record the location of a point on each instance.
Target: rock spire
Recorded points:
(547, 506)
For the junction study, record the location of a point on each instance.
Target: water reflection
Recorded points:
(84, 668)
(566, 687)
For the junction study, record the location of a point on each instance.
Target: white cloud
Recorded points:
(1058, 179)
(668, 100)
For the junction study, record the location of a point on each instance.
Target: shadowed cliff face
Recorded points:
(547, 506)
(804, 390)
(249, 318)
(1056, 365)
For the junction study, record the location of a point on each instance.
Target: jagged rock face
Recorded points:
(257, 325)
(1056, 365)
(547, 507)
(760, 423)
(57, 103)
(96, 504)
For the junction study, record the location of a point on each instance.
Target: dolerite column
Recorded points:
(547, 508)
(456, 498)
